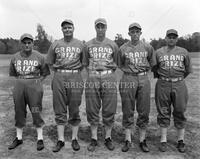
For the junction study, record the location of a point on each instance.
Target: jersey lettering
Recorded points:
(26, 66)
(100, 53)
(172, 61)
(138, 58)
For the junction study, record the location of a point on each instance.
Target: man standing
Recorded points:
(100, 88)
(135, 58)
(29, 68)
(65, 58)
(171, 65)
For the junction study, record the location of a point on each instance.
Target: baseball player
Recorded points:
(135, 61)
(100, 88)
(65, 58)
(29, 68)
(171, 65)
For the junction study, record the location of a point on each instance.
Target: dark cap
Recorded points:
(67, 21)
(26, 35)
(136, 25)
(171, 31)
(100, 20)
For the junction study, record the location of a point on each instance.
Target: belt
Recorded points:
(136, 74)
(28, 77)
(102, 72)
(66, 71)
(171, 79)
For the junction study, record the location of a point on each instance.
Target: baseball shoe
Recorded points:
(40, 145)
(181, 146)
(58, 146)
(15, 143)
(92, 145)
(75, 145)
(109, 144)
(163, 146)
(126, 146)
(143, 146)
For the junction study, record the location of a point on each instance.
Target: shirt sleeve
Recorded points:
(85, 56)
(188, 65)
(12, 70)
(116, 52)
(154, 65)
(150, 55)
(44, 67)
(121, 59)
(50, 59)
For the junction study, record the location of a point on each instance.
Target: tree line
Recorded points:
(43, 41)
(189, 42)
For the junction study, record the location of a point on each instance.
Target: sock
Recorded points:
(75, 132)
(94, 132)
(163, 132)
(39, 133)
(128, 134)
(19, 133)
(60, 129)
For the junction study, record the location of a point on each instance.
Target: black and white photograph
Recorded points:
(99, 79)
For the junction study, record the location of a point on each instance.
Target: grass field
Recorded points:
(28, 149)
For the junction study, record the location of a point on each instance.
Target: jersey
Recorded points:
(135, 59)
(33, 65)
(66, 55)
(172, 63)
(101, 56)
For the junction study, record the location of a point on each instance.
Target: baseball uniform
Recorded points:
(100, 87)
(171, 67)
(135, 62)
(28, 88)
(67, 84)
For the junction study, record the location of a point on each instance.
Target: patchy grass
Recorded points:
(28, 149)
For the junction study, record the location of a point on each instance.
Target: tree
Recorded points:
(42, 41)
(119, 40)
(2, 48)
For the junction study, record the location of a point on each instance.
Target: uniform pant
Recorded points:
(167, 94)
(101, 91)
(135, 89)
(67, 92)
(28, 92)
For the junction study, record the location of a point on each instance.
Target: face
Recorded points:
(171, 40)
(135, 33)
(68, 29)
(101, 29)
(27, 45)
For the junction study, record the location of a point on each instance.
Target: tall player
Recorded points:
(65, 59)
(135, 58)
(29, 68)
(171, 66)
(100, 88)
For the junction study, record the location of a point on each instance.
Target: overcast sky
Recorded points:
(155, 16)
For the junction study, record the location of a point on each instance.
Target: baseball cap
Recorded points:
(135, 25)
(67, 21)
(100, 20)
(26, 35)
(171, 31)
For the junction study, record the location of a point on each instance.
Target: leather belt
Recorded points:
(137, 74)
(171, 79)
(66, 71)
(102, 72)
(28, 77)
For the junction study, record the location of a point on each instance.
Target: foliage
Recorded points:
(189, 42)
(42, 42)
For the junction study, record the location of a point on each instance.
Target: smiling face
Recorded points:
(135, 33)
(27, 45)
(68, 30)
(171, 40)
(101, 29)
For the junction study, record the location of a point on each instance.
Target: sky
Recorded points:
(155, 17)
